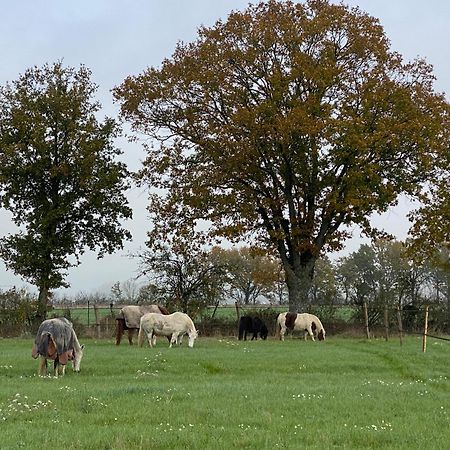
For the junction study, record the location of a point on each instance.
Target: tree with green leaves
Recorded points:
(250, 273)
(284, 125)
(59, 176)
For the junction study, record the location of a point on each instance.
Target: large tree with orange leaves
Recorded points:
(285, 124)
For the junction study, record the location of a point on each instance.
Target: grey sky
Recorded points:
(119, 38)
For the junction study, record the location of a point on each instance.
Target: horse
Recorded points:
(56, 340)
(255, 325)
(173, 325)
(129, 317)
(310, 323)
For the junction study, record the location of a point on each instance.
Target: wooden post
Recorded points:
(366, 320)
(236, 304)
(88, 314)
(400, 325)
(425, 331)
(386, 323)
(215, 309)
(97, 321)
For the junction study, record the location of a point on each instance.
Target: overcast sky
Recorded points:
(117, 38)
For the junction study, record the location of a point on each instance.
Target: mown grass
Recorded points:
(225, 394)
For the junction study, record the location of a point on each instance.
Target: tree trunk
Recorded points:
(41, 313)
(299, 282)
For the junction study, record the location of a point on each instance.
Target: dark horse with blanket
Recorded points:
(56, 340)
(249, 324)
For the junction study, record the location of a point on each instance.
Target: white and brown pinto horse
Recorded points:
(129, 318)
(174, 326)
(309, 323)
(56, 340)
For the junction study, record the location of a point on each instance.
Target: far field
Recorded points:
(225, 394)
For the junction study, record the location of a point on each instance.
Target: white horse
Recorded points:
(173, 325)
(310, 323)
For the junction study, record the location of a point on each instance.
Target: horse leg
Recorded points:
(56, 367)
(42, 369)
(119, 330)
(309, 331)
(130, 335)
(60, 369)
(151, 338)
(173, 340)
(141, 337)
(282, 331)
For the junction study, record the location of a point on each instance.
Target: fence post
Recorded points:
(236, 304)
(400, 325)
(366, 320)
(425, 331)
(88, 314)
(97, 321)
(386, 323)
(215, 309)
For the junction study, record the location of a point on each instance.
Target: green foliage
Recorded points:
(17, 311)
(285, 123)
(250, 273)
(184, 277)
(224, 394)
(59, 176)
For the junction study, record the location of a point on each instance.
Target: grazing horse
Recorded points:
(299, 322)
(129, 317)
(173, 325)
(56, 340)
(255, 325)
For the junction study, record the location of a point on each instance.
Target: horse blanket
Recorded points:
(56, 340)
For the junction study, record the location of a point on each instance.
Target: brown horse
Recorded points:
(129, 318)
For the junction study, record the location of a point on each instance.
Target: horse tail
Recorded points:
(43, 344)
(141, 336)
(278, 327)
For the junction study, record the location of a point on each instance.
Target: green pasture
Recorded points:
(229, 394)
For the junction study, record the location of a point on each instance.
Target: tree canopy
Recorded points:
(285, 124)
(59, 176)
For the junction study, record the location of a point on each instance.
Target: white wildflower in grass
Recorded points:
(304, 396)
(67, 389)
(94, 401)
(19, 405)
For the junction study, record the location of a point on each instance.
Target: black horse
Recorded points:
(249, 324)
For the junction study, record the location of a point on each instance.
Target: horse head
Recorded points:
(193, 334)
(77, 356)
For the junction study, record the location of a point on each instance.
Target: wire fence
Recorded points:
(367, 317)
(433, 321)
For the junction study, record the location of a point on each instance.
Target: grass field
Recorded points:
(225, 394)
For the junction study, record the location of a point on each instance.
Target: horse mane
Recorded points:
(163, 310)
